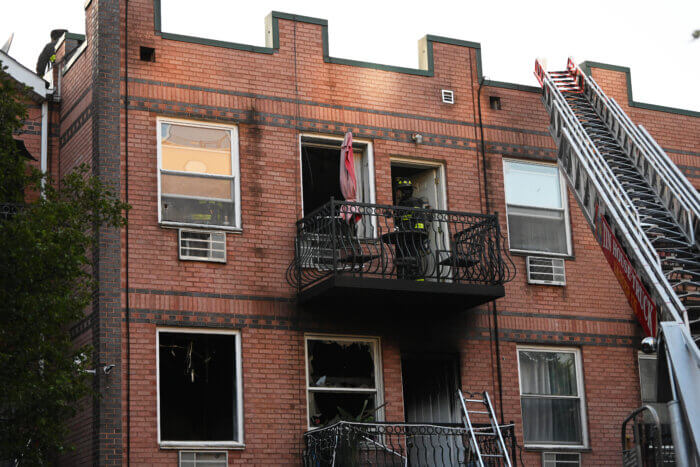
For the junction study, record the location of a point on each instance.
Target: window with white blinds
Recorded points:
(538, 217)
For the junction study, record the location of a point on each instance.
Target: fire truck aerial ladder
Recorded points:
(646, 217)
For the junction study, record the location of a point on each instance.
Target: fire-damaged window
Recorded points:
(538, 217)
(199, 388)
(320, 166)
(198, 174)
(343, 380)
(551, 396)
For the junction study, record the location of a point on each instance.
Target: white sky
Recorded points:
(653, 38)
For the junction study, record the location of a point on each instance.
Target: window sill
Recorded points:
(179, 225)
(556, 448)
(566, 257)
(196, 445)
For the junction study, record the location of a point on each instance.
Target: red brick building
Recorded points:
(221, 148)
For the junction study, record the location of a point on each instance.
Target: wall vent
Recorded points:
(448, 97)
(547, 271)
(561, 459)
(201, 245)
(203, 458)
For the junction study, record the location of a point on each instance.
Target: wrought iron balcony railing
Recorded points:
(8, 210)
(350, 444)
(394, 242)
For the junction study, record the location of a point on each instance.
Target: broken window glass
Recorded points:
(326, 408)
(198, 392)
(341, 364)
(342, 381)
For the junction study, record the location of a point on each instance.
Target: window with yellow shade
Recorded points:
(198, 179)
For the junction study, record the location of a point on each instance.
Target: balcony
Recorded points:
(395, 255)
(400, 444)
(8, 210)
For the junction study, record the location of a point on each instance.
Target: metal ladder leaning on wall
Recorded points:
(499, 456)
(618, 173)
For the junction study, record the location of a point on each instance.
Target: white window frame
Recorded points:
(579, 388)
(563, 190)
(378, 372)
(369, 154)
(239, 391)
(235, 172)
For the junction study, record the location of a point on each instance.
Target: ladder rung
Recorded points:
(478, 411)
(492, 455)
(474, 400)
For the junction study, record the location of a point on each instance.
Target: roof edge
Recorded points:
(588, 65)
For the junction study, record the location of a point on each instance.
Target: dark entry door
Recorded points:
(430, 389)
(430, 397)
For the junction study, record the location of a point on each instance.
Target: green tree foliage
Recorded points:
(46, 285)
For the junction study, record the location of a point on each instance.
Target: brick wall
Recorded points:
(273, 95)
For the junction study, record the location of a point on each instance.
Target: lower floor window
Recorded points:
(343, 376)
(199, 387)
(551, 396)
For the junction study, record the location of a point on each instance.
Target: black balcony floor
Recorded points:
(359, 290)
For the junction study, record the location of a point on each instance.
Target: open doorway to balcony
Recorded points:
(417, 184)
(427, 180)
(320, 171)
(430, 384)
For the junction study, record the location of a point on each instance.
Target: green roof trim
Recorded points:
(588, 65)
(216, 43)
(426, 70)
(75, 36)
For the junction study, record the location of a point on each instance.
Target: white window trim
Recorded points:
(235, 173)
(369, 151)
(563, 189)
(378, 371)
(579, 387)
(239, 392)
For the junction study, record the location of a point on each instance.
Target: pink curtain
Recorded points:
(348, 180)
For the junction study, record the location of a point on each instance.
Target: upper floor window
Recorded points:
(198, 174)
(538, 217)
(551, 396)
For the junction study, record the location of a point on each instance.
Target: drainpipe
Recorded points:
(44, 138)
(494, 310)
(127, 307)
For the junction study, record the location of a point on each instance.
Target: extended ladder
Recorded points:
(627, 186)
(494, 457)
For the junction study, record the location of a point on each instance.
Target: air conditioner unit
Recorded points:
(203, 458)
(202, 245)
(546, 271)
(561, 459)
(448, 97)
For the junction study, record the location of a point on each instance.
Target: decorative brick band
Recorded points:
(242, 321)
(183, 293)
(77, 102)
(387, 113)
(226, 114)
(74, 127)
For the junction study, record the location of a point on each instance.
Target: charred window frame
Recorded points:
(198, 174)
(345, 372)
(199, 388)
